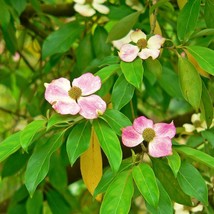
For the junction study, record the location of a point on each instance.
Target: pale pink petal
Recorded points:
(165, 130)
(189, 127)
(101, 8)
(136, 35)
(128, 52)
(88, 83)
(160, 147)
(125, 40)
(66, 107)
(130, 137)
(155, 42)
(146, 53)
(57, 90)
(92, 106)
(84, 10)
(142, 123)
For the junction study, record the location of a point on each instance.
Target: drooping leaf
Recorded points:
(196, 155)
(203, 56)
(145, 180)
(19, 6)
(122, 28)
(91, 165)
(106, 72)
(38, 165)
(28, 133)
(206, 106)
(61, 40)
(122, 93)
(208, 13)
(190, 82)
(174, 162)
(165, 204)
(119, 194)
(109, 143)
(192, 183)
(133, 72)
(9, 146)
(4, 14)
(78, 141)
(34, 205)
(116, 120)
(187, 19)
(169, 182)
(209, 136)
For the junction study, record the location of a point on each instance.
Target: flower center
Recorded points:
(75, 92)
(88, 1)
(197, 123)
(148, 134)
(142, 43)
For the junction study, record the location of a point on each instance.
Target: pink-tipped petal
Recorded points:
(146, 53)
(92, 106)
(130, 137)
(128, 52)
(120, 42)
(136, 35)
(101, 8)
(88, 83)
(165, 130)
(66, 107)
(57, 90)
(155, 42)
(160, 147)
(142, 123)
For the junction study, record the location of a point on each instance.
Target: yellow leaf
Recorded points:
(196, 65)
(91, 165)
(157, 29)
(181, 3)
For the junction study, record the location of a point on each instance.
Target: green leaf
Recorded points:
(38, 165)
(208, 13)
(109, 176)
(9, 146)
(204, 57)
(133, 72)
(196, 155)
(4, 14)
(192, 183)
(123, 27)
(209, 136)
(78, 141)
(187, 19)
(61, 40)
(122, 93)
(174, 162)
(19, 6)
(165, 204)
(116, 120)
(206, 106)
(57, 202)
(106, 72)
(57, 119)
(145, 180)
(190, 82)
(28, 133)
(109, 143)
(34, 205)
(101, 48)
(12, 166)
(169, 182)
(118, 197)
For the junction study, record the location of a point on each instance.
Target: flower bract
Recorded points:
(142, 47)
(158, 136)
(89, 7)
(77, 97)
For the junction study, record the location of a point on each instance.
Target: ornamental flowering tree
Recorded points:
(106, 106)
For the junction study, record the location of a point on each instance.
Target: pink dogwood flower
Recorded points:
(141, 47)
(158, 136)
(76, 97)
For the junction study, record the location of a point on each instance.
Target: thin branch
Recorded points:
(13, 113)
